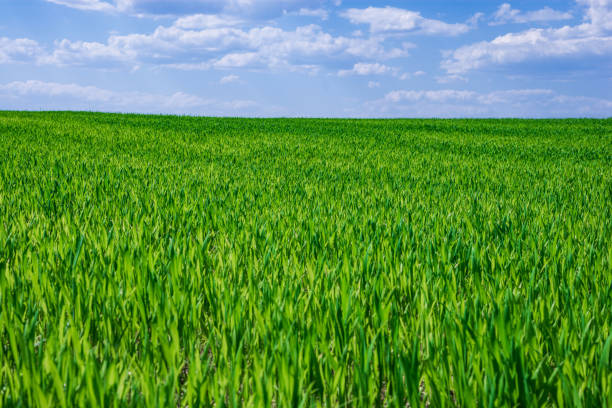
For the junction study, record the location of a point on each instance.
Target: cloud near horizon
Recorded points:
(82, 96)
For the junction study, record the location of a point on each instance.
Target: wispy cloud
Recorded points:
(80, 96)
(229, 79)
(93, 5)
(363, 68)
(506, 14)
(252, 8)
(506, 103)
(319, 13)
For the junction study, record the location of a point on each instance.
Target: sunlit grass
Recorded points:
(166, 261)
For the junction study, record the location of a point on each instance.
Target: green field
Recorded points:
(179, 261)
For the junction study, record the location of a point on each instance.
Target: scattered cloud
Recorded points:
(87, 93)
(591, 38)
(205, 21)
(93, 5)
(473, 21)
(528, 45)
(445, 79)
(363, 68)
(80, 97)
(232, 36)
(432, 96)
(319, 13)
(251, 8)
(95, 94)
(374, 68)
(506, 14)
(229, 79)
(205, 42)
(598, 13)
(507, 103)
(19, 50)
(392, 19)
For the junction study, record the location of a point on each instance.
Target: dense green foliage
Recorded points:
(174, 261)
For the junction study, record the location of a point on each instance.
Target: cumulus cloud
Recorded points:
(81, 53)
(591, 38)
(204, 42)
(19, 50)
(506, 14)
(506, 103)
(392, 19)
(598, 13)
(74, 96)
(362, 68)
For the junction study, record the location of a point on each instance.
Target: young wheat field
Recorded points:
(167, 261)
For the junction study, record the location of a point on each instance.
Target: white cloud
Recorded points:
(373, 68)
(318, 13)
(506, 14)
(591, 38)
(362, 68)
(191, 43)
(433, 96)
(94, 5)
(599, 13)
(473, 21)
(205, 21)
(74, 96)
(508, 103)
(530, 44)
(88, 93)
(262, 8)
(514, 95)
(229, 79)
(239, 60)
(445, 79)
(80, 53)
(416, 103)
(385, 19)
(95, 94)
(19, 50)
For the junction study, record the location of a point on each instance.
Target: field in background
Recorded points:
(169, 261)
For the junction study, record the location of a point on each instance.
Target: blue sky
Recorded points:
(324, 58)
